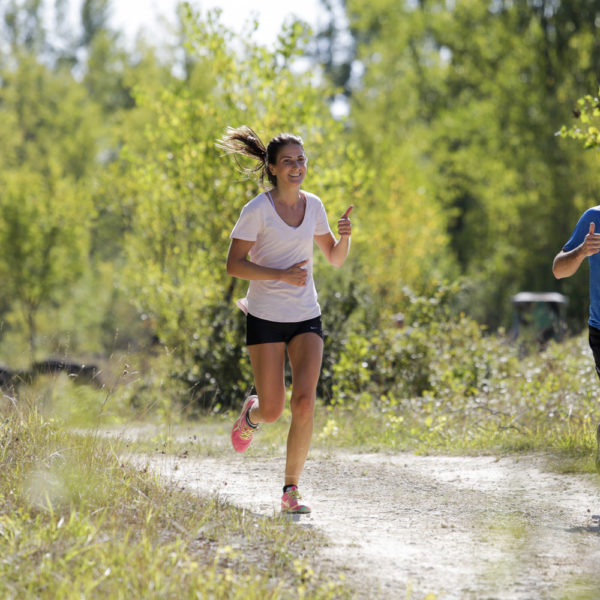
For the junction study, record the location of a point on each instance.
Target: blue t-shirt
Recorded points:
(581, 230)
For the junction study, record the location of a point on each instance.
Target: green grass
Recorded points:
(473, 394)
(481, 397)
(76, 522)
(418, 432)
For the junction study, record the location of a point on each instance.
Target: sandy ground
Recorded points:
(405, 526)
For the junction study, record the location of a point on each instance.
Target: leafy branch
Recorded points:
(587, 113)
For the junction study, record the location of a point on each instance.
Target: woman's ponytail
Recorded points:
(243, 140)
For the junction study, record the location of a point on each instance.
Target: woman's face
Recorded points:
(290, 167)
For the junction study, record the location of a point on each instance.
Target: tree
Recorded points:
(43, 242)
(463, 99)
(586, 128)
(23, 26)
(50, 127)
(186, 196)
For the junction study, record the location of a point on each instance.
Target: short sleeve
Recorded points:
(321, 222)
(247, 226)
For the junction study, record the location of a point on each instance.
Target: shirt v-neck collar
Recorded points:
(268, 193)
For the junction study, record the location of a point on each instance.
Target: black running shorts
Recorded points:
(261, 331)
(594, 339)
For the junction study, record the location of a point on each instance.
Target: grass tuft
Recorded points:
(76, 522)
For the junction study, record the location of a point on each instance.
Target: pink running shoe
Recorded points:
(241, 434)
(290, 502)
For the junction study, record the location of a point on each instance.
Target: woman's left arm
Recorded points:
(336, 251)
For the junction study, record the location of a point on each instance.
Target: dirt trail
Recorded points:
(407, 526)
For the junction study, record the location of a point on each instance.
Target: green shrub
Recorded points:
(442, 381)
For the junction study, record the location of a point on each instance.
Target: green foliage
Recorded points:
(59, 219)
(43, 242)
(459, 102)
(48, 123)
(425, 356)
(49, 127)
(76, 521)
(442, 383)
(116, 205)
(588, 113)
(186, 197)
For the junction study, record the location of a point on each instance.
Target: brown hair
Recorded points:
(245, 141)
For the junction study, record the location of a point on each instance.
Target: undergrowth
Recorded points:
(76, 522)
(479, 395)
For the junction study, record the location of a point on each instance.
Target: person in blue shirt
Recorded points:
(585, 243)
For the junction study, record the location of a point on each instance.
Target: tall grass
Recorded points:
(475, 393)
(76, 522)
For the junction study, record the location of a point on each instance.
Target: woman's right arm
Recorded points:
(238, 265)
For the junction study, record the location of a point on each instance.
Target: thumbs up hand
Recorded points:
(591, 243)
(344, 224)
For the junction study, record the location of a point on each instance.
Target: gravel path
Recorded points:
(405, 526)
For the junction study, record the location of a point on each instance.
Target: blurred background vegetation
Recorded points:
(438, 120)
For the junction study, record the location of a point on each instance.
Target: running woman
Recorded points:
(272, 247)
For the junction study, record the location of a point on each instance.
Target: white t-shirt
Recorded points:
(279, 245)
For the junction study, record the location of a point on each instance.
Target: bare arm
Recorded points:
(336, 251)
(238, 265)
(567, 263)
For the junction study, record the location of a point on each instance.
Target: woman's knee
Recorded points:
(270, 411)
(303, 405)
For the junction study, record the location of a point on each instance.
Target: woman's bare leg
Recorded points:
(268, 364)
(306, 353)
